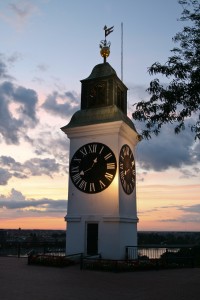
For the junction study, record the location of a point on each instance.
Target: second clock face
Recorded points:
(93, 168)
(127, 169)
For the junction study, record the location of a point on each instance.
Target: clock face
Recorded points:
(93, 168)
(127, 169)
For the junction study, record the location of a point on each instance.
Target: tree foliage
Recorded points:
(178, 100)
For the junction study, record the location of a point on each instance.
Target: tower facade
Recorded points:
(101, 216)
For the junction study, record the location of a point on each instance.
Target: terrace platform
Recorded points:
(18, 281)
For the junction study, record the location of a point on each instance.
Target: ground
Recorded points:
(20, 281)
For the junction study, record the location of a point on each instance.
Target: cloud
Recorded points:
(5, 62)
(3, 69)
(14, 58)
(17, 201)
(4, 176)
(168, 150)
(33, 167)
(42, 67)
(37, 166)
(189, 218)
(19, 115)
(18, 14)
(190, 213)
(63, 105)
(17, 111)
(192, 209)
(189, 173)
(136, 93)
(147, 212)
(59, 145)
(22, 9)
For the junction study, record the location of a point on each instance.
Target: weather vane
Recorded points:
(104, 44)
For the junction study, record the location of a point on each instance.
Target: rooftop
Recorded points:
(101, 70)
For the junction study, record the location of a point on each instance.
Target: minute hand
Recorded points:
(84, 171)
(126, 171)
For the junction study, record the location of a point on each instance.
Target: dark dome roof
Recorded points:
(98, 115)
(101, 70)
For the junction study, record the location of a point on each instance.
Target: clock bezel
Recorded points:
(93, 167)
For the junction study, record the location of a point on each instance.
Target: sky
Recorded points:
(47, 47)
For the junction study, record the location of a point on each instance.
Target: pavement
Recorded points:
(20, 281)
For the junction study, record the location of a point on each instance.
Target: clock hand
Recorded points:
(84, 171)
(126, 171)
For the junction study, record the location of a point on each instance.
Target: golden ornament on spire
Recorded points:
(104, 45)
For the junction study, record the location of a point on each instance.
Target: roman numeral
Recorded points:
(110, 166)
(92, 148)
(108, 176)
(77, 159)
(128, 189)
(121, 166)
(102, 185)
(92, 187)
(109, 155)
(125, 185)
(101, 150)
(127, 150)
(75, 169)
(122, 175)
(124, 151)
(84, 151)
(76, 178)
(83, 185)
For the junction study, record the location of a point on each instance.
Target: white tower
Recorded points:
(102, 215)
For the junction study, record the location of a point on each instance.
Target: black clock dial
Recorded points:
(93, 168)
(127, 169)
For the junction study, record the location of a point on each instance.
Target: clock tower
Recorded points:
(102, 216)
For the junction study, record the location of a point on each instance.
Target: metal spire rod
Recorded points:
(121, 51)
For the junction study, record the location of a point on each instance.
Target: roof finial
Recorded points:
(104, 45)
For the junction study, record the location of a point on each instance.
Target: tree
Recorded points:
(180, 99)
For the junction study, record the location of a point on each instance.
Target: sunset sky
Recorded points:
(47, 47)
